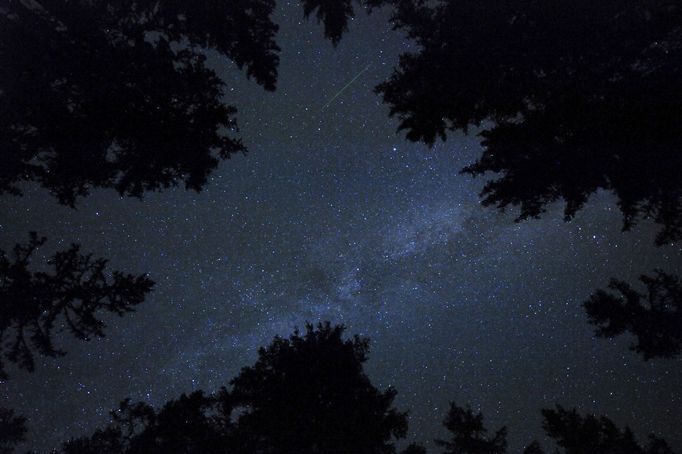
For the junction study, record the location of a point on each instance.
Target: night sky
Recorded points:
(333, 216)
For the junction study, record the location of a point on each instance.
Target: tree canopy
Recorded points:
(36, 303)
(469, 434)
(572, 432)
(572, 97)
(653, 317)
(118, 94)
(589, 434)
(190, 424)
(304, 394)
(309, 394)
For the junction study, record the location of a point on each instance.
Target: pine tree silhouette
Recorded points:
(35, 304)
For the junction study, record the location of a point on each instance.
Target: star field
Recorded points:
(333, 216)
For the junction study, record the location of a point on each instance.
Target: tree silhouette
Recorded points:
(12, 430)
(588, 434)
(111, 94)
(469, 434)
(573, 433)
(572, 97)
(190, 424)
(335, 14)
(117, 94)
(305, 394)
(73, 294)
(309, 394)
(657, 324)
(108, 441)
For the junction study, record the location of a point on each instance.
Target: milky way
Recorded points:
(333, 216)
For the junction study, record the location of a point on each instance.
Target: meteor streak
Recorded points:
(345, 86)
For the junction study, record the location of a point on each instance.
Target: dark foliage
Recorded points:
(76, 290)
(333, 13)
(573, 97)
(12, 430)
(309, 394)
(305, 394)
(588, 434)
(469, 434)
(190, 424)
(117, 94)
(573, 433)
(653, 317)
(108, 441)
